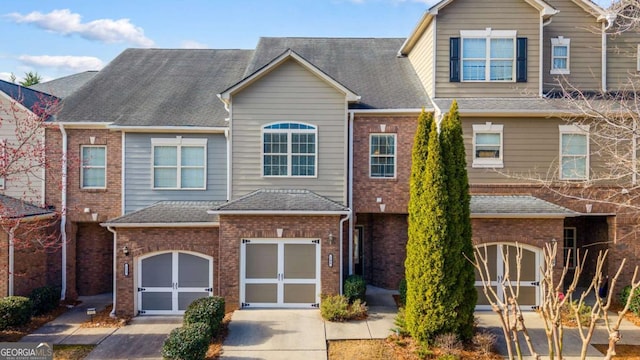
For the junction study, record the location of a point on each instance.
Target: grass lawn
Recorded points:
(71, 352)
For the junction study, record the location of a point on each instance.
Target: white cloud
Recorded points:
(106, 30)
(192, 44)
(5, 76)
(74, 63)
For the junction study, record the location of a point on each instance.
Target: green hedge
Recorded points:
(14, 311)
(189, 342)
(402, 289)
(208, 310)
(634, 307)
(355, 288)
(44, 299)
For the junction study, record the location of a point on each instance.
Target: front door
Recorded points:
(529, 297)
(169, 282)
(280, 273)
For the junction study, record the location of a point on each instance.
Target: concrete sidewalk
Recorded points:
(65, 329)
(572, 342)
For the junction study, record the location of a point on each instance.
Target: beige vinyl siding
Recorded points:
(622, 56)
(479, 15)
(26, 181)
(531, 148)
(576, 24)
(421, 58)
(290, 93)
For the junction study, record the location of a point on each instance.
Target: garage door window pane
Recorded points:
(156, 301)
(300, 261)
(186, 298)
(156, 271)
(193, 271)
(262, 261)
(261, 293)
(299, 293)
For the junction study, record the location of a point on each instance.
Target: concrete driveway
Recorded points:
(276, 334)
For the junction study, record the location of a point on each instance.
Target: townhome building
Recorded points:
(268, 175)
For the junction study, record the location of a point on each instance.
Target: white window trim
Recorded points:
(3, 161)
(488, 34)
(488, 128)
(289, 132)
(574, 129)
(82, 166)
(574, 249)
(561, 41)
(638, 59)
(178, 142)
(395, 155)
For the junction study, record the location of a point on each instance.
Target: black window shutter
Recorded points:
(454, 59)
(521, 60)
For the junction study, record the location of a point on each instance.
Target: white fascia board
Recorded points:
(169, 129)
(545, 9)
(29, 218)
(161, 225)
(522, 216)
(592, 8)
(289, 54)
(276, 212)
(419, 29)
(389, 111)
(83, 124)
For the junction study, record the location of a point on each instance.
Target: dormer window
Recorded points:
(560, 55)
(488, 55)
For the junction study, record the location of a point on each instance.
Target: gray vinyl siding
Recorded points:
(497, 15)
(575, 23)
(622, 55)
(138, 185)
(24, 180)
(531, 148)
(421, 58)
(289, 93)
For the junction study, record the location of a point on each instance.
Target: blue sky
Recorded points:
(58, 38)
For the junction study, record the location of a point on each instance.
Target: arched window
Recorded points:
(289, 149)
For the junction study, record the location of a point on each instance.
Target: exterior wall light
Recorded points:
(125, 250)
(330, 238)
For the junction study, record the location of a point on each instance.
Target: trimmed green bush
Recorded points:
(207, 310)
(189, 342)
(355, 288)
(402, 289)
(634, 307)
(14, 311)
(44, 299)
(337, 308)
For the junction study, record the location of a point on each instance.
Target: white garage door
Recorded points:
(280, 273)
(529, 297)
(168, 282)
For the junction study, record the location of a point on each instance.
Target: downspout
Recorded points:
(63, 217)
(604, 57)
(12, 232)
(226, 137)
(543, 23)
(350, 190)
(341, 242)
(115, 269)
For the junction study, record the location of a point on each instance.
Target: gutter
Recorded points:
(277, 212)
(184, 129)
(160, 225)
(63, 217)
(523, 216)
(115, 270)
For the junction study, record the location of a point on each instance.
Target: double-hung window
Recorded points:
(382, 155)
(488, 55)
(179, 163)
(94, 167)
(487, 146)
(574, 152)
(560, 55)
(289, 149)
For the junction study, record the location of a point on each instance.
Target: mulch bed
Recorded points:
(15, 333)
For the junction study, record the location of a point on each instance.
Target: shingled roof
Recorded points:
(516, 206)
(12, 208)
(38, 102)
(159, 87)
(168, 212)
(66, 85)
(281, 201)
(369, 67)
